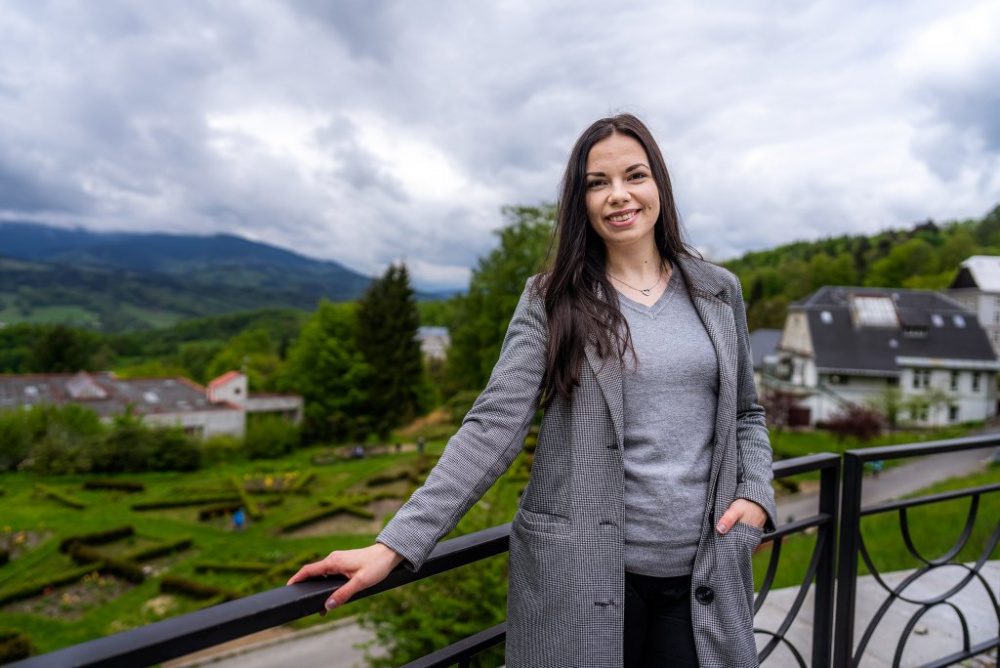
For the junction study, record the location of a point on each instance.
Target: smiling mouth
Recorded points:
(622, 216)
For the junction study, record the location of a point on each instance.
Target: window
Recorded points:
(975, 381)
(937, 320)
(954, 380)
(826, 317)
(837, 379)
(958, 320)
(953, 413)
(921, 378)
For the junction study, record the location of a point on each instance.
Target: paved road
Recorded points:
(896, 482)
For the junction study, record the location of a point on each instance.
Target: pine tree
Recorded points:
(387, 328)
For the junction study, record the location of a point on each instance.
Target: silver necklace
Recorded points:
(645, 291)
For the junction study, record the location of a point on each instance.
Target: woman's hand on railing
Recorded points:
(363, 568)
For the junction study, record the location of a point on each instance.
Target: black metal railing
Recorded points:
(852, 548)
(182, 635)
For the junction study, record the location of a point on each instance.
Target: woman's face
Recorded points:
(623, 203)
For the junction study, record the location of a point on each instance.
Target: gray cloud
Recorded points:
(370, 132)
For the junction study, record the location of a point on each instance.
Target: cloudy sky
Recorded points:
(367, 132)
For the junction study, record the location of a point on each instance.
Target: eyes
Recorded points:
(633, 177)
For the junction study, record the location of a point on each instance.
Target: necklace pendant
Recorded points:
(646, 292)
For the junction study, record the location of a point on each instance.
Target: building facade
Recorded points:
(844, 346)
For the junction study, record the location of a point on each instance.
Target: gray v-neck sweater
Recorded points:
(671, 393)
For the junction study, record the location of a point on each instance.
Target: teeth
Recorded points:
(620, 218)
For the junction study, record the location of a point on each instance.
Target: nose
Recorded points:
(619, 193)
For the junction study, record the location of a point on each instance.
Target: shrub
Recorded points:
(61, 497)
(221, 448)
(171, 584)
(15, 443)
(117, 485)
(127, 570)
(14, 646)
(159, 549)
(861, 422)
(270, 437)
(97, 537)
(131, 447)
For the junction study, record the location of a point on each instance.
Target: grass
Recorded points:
(934, 528)
(74, 614)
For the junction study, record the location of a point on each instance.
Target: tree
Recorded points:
(496, 285)
(387, 327)
(63, 349)
(889, 402)
(253, 353)
(327, 369)
(915, 257)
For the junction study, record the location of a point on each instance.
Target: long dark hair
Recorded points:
(580, 301)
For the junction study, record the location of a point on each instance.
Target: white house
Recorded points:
(977, 288)
(221, 409)
(845, 344)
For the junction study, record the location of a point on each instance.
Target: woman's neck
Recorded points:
(639, 265)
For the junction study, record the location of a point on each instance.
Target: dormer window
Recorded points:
(915, 332)
(959, 321)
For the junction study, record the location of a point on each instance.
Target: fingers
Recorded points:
(741, 510)
(345, 592)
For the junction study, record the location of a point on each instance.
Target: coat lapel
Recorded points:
(609, 378)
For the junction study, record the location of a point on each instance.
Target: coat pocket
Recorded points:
(542, 522)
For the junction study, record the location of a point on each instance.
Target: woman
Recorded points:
(651, 480)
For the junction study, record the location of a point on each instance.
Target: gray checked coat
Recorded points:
(566, 583)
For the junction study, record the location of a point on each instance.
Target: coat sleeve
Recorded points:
(490, 438)
(754, 475)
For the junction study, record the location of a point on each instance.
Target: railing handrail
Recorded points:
(221, 623)
(205, 628)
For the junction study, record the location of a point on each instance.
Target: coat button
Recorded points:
(704, 594)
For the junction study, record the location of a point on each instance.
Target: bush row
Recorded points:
(35, 587)
(323, 512)
(159, 549)
(60, 496)
(14, 646)
(97, 537)
(172, 584)
(253, 510)
(189, 501)
(232, 567)
(118, 485)
(85, 555)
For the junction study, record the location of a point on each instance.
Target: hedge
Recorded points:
(318, 514)
(232, 567)
(159, 549)
(171, 584)
(61, 497)
(14, 646)
(97, 537)
(189, 501)
(253, 510)
(219, 509)
(300, 485)
(29, 589)
(86, 555)
(4, 557)
(387, 478)
(119, 485)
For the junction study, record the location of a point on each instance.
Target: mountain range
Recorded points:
(122, 280)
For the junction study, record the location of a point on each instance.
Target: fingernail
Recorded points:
(331, 604)
(722, 527)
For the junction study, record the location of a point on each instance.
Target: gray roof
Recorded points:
(764, 343)
(930, 325)
(106, 394)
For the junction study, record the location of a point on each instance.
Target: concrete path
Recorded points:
(938, 633)
(333, 645)
(897, 481)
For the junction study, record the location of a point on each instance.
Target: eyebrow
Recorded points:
(627, 169)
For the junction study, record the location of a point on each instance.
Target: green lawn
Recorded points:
(934, 528)
(102, 605)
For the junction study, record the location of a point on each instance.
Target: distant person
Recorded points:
(421, 442)
(359, 452)
(652, 476)
(239, 519)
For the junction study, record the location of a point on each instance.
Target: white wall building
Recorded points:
(977, 288)
(847, 345)
(220, 409)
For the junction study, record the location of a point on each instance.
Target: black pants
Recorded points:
(658, 629)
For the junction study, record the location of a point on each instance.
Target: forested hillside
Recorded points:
(926, 256)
